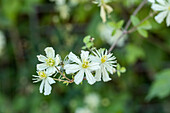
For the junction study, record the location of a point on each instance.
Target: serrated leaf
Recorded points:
(143, 32)
(160, 87)
(135, 20)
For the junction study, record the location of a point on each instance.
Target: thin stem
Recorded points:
(146, 18)
(127, 25)
(59, 80)
(62, 74)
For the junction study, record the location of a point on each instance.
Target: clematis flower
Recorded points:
(152, 1)
(83, 66)
(103, 8)
(107, 63)
(164, 7)
(49, 62)
(46, 81)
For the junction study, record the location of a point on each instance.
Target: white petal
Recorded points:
(47, 89)
(105, 75)
(74, 58)
(108, 9)
(168, 19)
(94, 58)
(103, 14)
(152, 1)
(42, 66)
(157, 7)
(51, 70)
(109, 68)
(50, 80)
(79, 77)
(90, 78)
(50, 52)
(98, 75)
(163, 2)
(41, 58)
(57, 59)
(93, 66)
(160, 17)
(41, 86)
(84, 54)
(71, 68)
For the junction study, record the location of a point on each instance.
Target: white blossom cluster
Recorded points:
(91, 67)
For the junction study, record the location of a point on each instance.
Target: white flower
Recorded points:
(152, 1)
(83, 66)
(49, 62)
(164, 7)
(46, 81)
(107, 62)
(103, 9)
(2, 42)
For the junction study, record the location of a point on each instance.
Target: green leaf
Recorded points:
(143, 32)
(114, 32)
(112, 24)
(86, 39)
(135, 20)
(89, 44)
(161, 86)
(146, 25)
(84, 47)
(120, 24)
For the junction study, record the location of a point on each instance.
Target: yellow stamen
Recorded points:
(85, 64)
(42, 74)
(104, 58)
(50, 62)
(169, 8)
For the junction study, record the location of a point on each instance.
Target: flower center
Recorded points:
(104, 58)
(169, 8)
(42, 74)
(85, 64)
(50, 62)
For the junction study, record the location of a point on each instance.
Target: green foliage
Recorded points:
(116, 26)
(33, 31)
(120, 70)
(88, 41)
(134, 53)
(160, 87)
(141, 27)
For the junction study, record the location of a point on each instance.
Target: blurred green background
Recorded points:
(28, 26)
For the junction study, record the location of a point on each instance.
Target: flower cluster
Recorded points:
(91, 67)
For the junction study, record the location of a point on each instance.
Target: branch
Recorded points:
(127, 25)
(146, 18)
